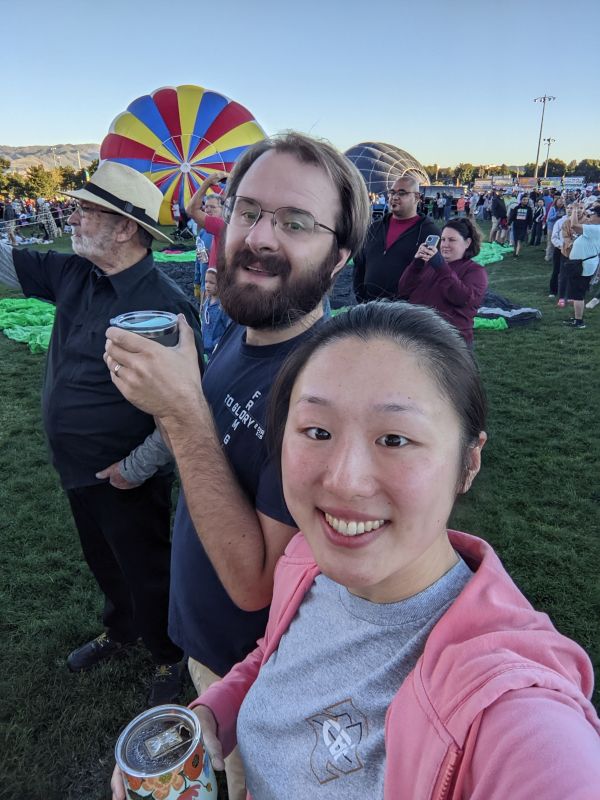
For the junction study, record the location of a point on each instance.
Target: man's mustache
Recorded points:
(274, 265)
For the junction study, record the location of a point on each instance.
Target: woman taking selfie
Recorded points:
(399, 660)
(448, 280)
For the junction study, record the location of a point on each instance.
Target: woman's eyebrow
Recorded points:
(396, 408)
(314, 399)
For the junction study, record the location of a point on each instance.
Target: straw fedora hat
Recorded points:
(126, 191)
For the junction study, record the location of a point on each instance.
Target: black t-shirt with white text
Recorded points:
(203, 620)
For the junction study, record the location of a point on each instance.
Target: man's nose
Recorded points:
(262, 235)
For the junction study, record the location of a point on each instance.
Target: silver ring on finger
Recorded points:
(117, 368)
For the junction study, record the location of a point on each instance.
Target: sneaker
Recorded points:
(551, 296)
(166, 684)
(561, 303)
(99, 649)
(574, 323)
(593, 302)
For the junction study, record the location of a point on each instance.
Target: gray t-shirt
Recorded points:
(312, 725)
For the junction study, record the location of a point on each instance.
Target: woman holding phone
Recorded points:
(447, 279)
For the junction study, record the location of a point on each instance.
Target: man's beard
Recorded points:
(269, 309)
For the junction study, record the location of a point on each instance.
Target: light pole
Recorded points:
(543, 100)
(547, 141)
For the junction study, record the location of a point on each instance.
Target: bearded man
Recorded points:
(295, 211)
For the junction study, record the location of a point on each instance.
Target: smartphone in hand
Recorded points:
(432, 240)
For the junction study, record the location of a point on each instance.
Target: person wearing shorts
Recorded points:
(521, 219)
(583, 262)
(498, 208)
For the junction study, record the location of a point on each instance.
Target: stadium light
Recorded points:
(543, 100)
(547, 141)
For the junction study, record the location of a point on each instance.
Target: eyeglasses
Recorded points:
(401, 193)
(242, 212)
(86, 210)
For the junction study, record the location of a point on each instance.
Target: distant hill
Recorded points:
(57, 155)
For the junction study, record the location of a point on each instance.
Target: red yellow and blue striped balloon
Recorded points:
(177, 136)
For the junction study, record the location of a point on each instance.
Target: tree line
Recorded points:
(466, 173)
(41, 182)
(38, 181)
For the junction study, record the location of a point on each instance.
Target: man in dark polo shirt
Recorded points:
(102, 445)
(391, 244)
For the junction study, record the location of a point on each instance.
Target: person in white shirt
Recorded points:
(559, 260)
(583, 259)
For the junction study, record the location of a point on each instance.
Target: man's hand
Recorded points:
(162, 381)
(115, 478)
(216, 177)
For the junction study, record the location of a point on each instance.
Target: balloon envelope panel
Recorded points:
(381, 164)
(177, 136)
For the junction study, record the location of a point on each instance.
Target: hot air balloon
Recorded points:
(177, 136)
(381, 164)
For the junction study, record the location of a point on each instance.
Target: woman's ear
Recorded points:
(472, 462)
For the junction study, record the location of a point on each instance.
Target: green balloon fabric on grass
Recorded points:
(28, 320)
(164, 258)
(36, 336)
(492, 253)
(498, 324)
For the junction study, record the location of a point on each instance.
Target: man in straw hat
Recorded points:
(102, 446)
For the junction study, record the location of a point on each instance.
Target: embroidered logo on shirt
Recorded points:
(338, 729)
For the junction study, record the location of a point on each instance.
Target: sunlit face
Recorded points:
(210, 284)
(93, 232)
(212, 207)
(268, 279)
(404, 205)
(371, 464)
(452, 245)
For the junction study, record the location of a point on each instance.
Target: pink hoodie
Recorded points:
(496, 707)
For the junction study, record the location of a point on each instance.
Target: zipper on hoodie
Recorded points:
(445, 782)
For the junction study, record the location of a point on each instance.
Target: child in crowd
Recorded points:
(214, 320)
(203, 243)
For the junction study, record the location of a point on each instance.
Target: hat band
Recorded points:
(124, 205)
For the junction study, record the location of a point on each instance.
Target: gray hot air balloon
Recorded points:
(381, 164)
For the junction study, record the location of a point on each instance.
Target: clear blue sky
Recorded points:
(446, 81)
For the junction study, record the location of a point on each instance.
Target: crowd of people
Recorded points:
(44, 219)
(517, 218)
(343, 642)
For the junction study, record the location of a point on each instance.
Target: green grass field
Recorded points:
(536, 500)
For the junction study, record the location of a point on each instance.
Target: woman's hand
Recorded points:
(116, 784)
(208, 724)
(425, 253)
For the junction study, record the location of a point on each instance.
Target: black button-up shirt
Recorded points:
(88, 422)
